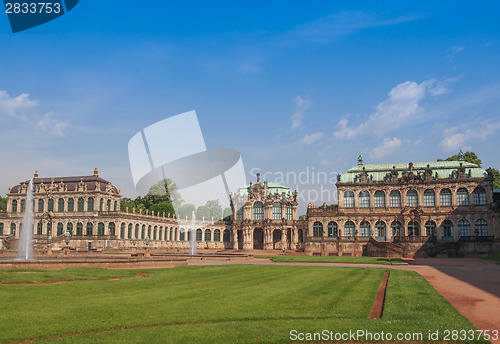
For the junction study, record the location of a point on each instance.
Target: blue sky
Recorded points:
(293, 86)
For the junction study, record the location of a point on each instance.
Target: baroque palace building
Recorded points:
(88, 209)
(427, 209)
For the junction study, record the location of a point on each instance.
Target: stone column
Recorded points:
(235, 239)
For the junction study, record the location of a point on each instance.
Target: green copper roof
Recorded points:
(272, 189)
(444, 170)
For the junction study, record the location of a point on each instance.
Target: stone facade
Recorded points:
(265, 217)
(410, 209)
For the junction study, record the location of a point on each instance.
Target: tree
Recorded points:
(215, 209)
(473, 158)
(203, 212)
(468, 157)
(3, 204)
(165, 191)
(163, 207)
(185, 210)
(227, 213)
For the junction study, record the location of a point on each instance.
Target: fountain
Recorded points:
(192, 240)
(26, 230)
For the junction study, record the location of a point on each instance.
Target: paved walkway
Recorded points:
(471, 285)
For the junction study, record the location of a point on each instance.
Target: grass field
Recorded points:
(218, 304)
(333, 259)
(494, 256)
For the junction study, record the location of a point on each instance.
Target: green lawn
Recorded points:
(333, 259)
(71, 274)
(494, 256)
(220, 304)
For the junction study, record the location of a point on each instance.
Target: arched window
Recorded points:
(39, 228)
(182, 235)
(176, 231)
(79, 229)
(14, 206)
(364, 229)
(50, 205)
(239, 214)
(40, 205)
(349, 229)
(258, 211)
(379, 199)
(445, 198)
(90, 204)
(155, 233)
(333, 230)
(111, 228)
(129, 231)
(430, 228)
(136, 231)
(380, 230)
(143, 232)
(100, 229)
(447, 230)
(80, 204)
(60, 205)
(23, 205)
(277, 211)
(479, 196)
(464, 228)
(114, 206)
(429, 198)
(1, 228)
(301, 235)
(364, 199)
(122, 231)
(108, 205)
(60, 229)
(395, 199)
(216, 235)
(71, 204)
(463, 196)
(412, 198)
(208, 235)
(69, 228)
(289, 211)
(396, 229)
(317, 229)
(149, 232)
(481, 227)
(90, 229)
(413, 228)
(349, 199)
(226, 235)
(13, 229)
(199, 235)
(101, 204)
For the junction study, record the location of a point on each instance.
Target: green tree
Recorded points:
(163, 207)
(215, 209)
(496, 178)
(3, 204)
(203, 212)
(468, 157)
(185, 210)
(227, 213)
(165, 191)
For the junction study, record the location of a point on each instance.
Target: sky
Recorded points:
(300, 89)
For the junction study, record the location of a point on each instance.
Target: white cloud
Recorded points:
(387, 147)
(455, 138)
(301, 105)
(308, 139)
(326, 162)
(52, 126)
(402, 106)
(16, 107)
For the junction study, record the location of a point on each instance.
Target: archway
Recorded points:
(276, 239)
(258, 239)
(240, 239)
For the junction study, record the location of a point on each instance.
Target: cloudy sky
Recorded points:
(295, 87)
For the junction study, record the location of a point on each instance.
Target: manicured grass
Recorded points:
(494, 256)
(222, 304)
(333, 259)
(71, 274)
